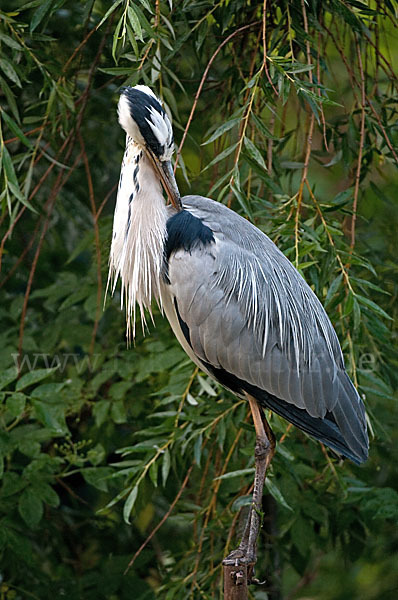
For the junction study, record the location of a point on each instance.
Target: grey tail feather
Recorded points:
(326, 430)
(343, 430)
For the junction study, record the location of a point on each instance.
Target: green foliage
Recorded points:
(100, 442)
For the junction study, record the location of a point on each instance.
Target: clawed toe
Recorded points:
(256, 581)
(251, 580)
(239, 558)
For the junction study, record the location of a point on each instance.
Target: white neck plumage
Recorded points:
(139, 233)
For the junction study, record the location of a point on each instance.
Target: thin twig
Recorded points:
(25, 251)
(318, 76)
(308, 145)
(97, 242)
(50, 205)
(105, 200)
(391, 73)
(60, 181)
(301, 188)
(270, 144)
(30, 132)
(164, 518)
(244, 123)
(388, 142)
(306, 579)
(265, 65)
(354, 82)
(202, 81)
(361, 144)
(283, 437)
(244, 120)
(31, 196)
(184, 396)
(77, 49)
(331, 241)
(71, 492)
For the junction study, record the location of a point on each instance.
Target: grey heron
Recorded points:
(236, 304)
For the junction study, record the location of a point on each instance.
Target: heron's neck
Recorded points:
(139, 232)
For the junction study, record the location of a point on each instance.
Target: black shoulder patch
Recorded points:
(184, 231)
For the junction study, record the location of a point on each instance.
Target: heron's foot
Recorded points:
(240, 557)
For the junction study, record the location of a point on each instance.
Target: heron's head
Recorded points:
(145, 121)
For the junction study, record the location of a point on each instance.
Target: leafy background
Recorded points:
(286, 112)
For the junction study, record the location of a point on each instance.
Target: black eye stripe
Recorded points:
(140, 105)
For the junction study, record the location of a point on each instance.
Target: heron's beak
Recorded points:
(169, 183)
(166, 174)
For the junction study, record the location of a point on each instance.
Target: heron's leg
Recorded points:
(264, 451)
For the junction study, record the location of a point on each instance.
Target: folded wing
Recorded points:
(247, 316)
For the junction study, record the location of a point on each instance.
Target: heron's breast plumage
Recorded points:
(139, 234)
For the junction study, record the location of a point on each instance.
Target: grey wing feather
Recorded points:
(251, 313)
